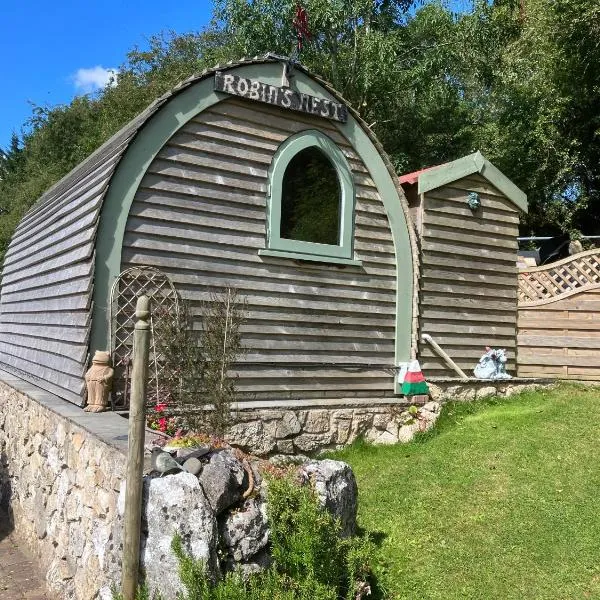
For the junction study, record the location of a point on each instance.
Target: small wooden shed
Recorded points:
(203, 186)
(466, 214)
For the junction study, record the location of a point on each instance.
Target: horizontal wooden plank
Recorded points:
(66, 303)
(192, 173)
(457, 195)
(536, 358)
(444, 313)
(478, 183)
(307, 372)
(82, 216)
(77, 271)
(480, 303)
(41, 374)
(187, 145)
(466, 327)
(74, 286)
(61, 319)
(52, 332)
(238, 161)
(481, 239)
(487, 280)
(459, 222)
(61, 364)
(484, 215)
(182, 218)
(74, 351)
(313, 383)
(227, 131)
(466, 289)
(469, 264)
(59, 262)
(202, 190)
(501, 256)
(565, 341)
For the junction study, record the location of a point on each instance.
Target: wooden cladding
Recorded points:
(558, 325)
(468, 278)
(312, 331)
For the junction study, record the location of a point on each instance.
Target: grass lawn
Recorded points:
(500, 501)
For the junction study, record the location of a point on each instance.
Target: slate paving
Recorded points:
(20, 577)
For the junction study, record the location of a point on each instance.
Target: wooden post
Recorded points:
(135, 454)
(427, 338)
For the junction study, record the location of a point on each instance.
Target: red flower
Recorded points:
(160, 407)
(162, 424)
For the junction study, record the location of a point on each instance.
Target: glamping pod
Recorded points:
(466, 214)
(247, 176)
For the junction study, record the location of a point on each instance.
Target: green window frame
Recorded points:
(343, 253)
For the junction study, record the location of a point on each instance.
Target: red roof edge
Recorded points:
(414, 176)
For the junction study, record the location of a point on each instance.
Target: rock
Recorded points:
(407, 432)
(309, 442)
(245, 532)
(288, 425)
(484, 392)
(196, 452)
(259, 562)
(433, 407)
(385, 438)
(176, 505)
(223, 480)
(380, 420)
(251, 436)
(336, 489)
(285, 446)
(317, 421)
(192, 465)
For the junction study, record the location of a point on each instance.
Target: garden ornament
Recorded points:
(163, 462)
(99, 382)
(492, 365)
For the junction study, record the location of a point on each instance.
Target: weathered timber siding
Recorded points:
(561, 338)
(47, 280)
(468, 285)
(312, 330)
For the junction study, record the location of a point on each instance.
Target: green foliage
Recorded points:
(311, 561)
(517, 80)
(197, 382)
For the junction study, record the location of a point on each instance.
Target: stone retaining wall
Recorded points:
(61, 484)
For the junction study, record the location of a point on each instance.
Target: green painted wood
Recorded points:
(336, 260)
(468, 165)
(285, 153)
(165, 123)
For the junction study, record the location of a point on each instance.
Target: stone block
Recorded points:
(311, 442)
(223, 480)
(485, 392)
(288, 425)
(245, 532)
(317, 421)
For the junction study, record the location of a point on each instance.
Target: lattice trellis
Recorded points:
(541, 285)
(131, 284)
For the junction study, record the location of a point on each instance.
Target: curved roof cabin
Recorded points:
(232, 179)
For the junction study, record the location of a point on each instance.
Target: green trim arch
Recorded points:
(177, 111)
(310, 250)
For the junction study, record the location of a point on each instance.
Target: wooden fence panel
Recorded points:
(559, 319)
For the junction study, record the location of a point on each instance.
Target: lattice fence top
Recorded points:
(164, 303)
(542, 285)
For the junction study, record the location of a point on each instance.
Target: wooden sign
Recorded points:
(280, 96)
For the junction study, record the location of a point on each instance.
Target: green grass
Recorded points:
(500, 501)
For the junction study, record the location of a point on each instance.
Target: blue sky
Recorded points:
(51, 51)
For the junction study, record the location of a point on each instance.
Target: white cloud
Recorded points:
(90, 80)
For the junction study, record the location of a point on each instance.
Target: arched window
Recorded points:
(311, 201)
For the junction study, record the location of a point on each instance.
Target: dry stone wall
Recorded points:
(60, 485)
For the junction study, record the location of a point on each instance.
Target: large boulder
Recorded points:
(336, 489)
(176, 504)
(245, 532)
(223, 480)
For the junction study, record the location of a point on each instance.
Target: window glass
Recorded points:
(311, 199)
